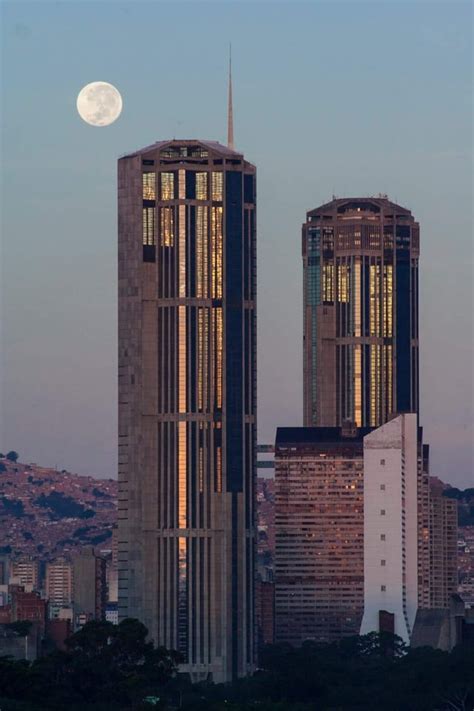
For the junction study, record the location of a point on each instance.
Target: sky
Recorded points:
(345, 98)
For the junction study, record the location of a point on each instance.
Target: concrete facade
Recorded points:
(391, 525)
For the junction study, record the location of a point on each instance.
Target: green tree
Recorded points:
(12, 456)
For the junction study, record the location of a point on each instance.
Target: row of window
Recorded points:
(207, 186)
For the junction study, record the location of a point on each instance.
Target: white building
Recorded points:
(391, 525)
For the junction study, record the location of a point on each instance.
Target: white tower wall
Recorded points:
(390, 525)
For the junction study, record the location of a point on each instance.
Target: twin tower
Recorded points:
(187, 378)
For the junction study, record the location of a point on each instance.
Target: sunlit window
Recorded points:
(149, 182)
(201, 186)
(167, 186)
(217, 185)
(167, 226)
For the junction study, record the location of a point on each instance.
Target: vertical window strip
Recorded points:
(201, 463)
(388, 301)
(357, 314)
(181, 184)
(218, 356)
(182, 475)
(167, 226)
(182, 251)
(358, 385)
(200, 343)
(217, 185)
(148, 225)
(182, 358)
(167, 186)
(201, 186)
(216, 251)
(148, 185)
(201, 253)
(219, 470)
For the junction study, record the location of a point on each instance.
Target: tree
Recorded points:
(3, 467)
(12, 456)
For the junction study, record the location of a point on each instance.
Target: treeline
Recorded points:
(111, 667)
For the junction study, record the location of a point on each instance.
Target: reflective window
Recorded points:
(148, 225)
(148, 183)
(167, 186)
(217, 185)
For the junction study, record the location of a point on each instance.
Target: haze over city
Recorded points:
(377, 103)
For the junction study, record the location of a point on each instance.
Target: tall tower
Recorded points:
(360, 262)
(187, 401)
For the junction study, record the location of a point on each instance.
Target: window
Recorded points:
(148, 182)
(382, 562)
(201, 186)
(217, 185)
(382, 512)
(382, 487)
(166, 226)
(382, 462)
(167, 186)
(382, 536)
(148, 225)
(383, 588)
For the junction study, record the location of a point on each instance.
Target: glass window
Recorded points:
(201, 186)
(217, 185)
(167, 186)
(148, 225)
(167, 226)
(148, 182)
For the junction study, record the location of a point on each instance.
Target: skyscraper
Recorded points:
(187, 400)
(360, 259)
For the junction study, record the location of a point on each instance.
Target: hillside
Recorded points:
(45, 513)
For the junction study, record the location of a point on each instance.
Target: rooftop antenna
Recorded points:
(230, 116)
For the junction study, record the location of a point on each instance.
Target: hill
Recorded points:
(45, 513)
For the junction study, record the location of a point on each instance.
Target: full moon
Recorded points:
(99, 103)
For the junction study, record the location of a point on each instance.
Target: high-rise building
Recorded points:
(187, 401)
(319, 527)
(443, 546)
(89, 587)
(391, 454)
(25, 572)
(360, 259)
(58, 585)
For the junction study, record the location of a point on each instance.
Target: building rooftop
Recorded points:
(371, 204)
(214, 146)
(318, 435)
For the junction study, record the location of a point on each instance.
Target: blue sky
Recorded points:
(350, 98)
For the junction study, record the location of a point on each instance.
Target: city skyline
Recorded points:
(67, 229)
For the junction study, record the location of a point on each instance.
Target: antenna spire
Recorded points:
(230, 116)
